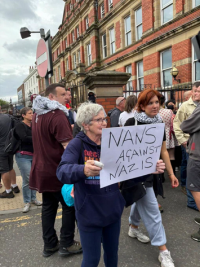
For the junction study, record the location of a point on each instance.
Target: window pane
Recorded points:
(105, 52)
(197, 3)
(104, 39)
(197, 71)
(140, 69)
(167, 78)
(139, 32)
(141, 83)
(128, 24)
(166, 2)
(112, 37)
(139, 16)
(195, 56)
(167, 59)
(129, 38)
(168, 13)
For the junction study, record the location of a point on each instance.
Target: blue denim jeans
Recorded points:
(190, 200)
(24, 163)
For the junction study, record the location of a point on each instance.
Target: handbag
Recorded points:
(67, 188)
(134, 189)
(12, 144)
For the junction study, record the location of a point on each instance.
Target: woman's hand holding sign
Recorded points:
(160, 167)
(91, 169)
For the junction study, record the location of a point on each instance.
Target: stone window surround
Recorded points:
(170, 2)
(104, 46)
(127, 32)
(111, 42)
(129, 86)
(139, 77)
(136, 26)
(161, 69)
(194, 61)
(89, 54)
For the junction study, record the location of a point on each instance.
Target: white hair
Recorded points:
(86, 112)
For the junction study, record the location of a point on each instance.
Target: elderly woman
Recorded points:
(98, 211)
(146, 208)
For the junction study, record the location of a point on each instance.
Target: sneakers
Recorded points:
(136, 233)
(196, 236)
(166, 259)
(50, 251)
(75, 248)
(7, 195)
(36, 202)
(15, 189)
(26, 207)
(197, 220)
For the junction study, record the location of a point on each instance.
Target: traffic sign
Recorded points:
(42, 58)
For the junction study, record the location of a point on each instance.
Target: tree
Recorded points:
(3, 102)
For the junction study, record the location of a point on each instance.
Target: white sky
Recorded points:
(16, 54)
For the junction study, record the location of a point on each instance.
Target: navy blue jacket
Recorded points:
(95, 206)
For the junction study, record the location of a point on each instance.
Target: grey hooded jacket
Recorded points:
(192, 127)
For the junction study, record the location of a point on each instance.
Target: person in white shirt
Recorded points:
(128, 111)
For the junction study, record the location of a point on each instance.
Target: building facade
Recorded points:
(143, 37)
(31, 84)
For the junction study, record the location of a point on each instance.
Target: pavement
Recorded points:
(21, 242)
(15, 205)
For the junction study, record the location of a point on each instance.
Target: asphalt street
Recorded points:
(21, 238)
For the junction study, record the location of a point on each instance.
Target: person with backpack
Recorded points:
(7, 172)
(24, 157)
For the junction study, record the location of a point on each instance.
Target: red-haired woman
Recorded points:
(146, 208)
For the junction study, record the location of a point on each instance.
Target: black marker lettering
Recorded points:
(117, 143)
(128, 139)
(149, 162)
(114, 176)
(146, 133)
(121, 156)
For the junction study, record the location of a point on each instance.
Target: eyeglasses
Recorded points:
(100, 120)
(122, 100)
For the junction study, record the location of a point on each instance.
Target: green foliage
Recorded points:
(3, 102)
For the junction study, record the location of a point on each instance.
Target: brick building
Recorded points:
(143, 37)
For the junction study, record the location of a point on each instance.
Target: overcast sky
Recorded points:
(16, 55)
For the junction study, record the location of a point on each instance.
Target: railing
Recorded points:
(172, 92)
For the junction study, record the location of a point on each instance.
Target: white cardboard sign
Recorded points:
(130, 152)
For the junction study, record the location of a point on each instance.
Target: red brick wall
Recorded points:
(115, 2)
(153, 79)
(151, 61)
(70, 62)
(179, 6)
(94, 47)
(181, 51)
(91, 16)
(134, 73)
(117, 35)
(108, 104)
(82, 54)
(147, 15)
(106, 6)
(62, 68)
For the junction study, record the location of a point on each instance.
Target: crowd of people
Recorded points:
(58, 146)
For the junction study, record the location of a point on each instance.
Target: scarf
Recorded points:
(142, 117)
(43, 105)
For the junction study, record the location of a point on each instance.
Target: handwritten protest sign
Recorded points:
(130, 152)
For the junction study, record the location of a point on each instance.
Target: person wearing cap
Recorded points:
(115, 112)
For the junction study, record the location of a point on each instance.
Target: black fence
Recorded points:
(173, 92)
(80, 94)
